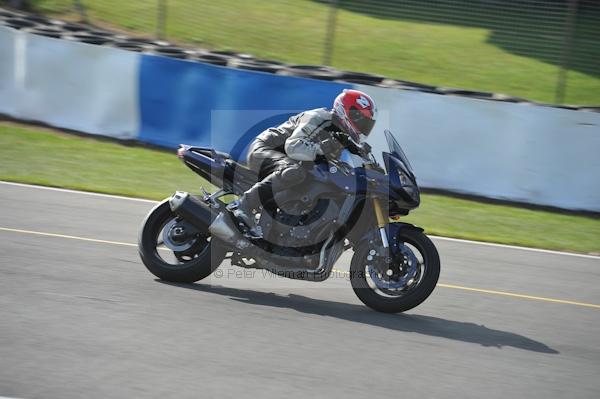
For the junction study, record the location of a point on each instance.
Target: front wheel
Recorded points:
(174, 250)
(397, 281)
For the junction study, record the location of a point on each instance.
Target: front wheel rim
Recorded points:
(405, 273)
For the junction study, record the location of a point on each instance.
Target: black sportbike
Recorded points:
(346, 203)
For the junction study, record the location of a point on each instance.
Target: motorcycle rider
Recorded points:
(277, 154)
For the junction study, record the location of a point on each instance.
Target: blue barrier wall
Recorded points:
(188, 102)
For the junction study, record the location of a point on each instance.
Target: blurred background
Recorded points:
(542, 50)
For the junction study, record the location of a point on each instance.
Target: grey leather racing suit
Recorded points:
(278, 153)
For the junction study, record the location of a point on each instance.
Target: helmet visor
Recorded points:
(363, 123)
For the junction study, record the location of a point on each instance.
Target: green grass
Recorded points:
(41, 156)
(46, 157)
(455, 43)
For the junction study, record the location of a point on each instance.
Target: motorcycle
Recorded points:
(394, 268)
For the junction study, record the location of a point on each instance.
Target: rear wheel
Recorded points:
(399, 281)
(174, 250)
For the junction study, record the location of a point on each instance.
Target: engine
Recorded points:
(298, 228)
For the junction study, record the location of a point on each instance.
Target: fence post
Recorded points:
(565, 58)
(80, 8)
(20, 4)
(330, 34)
(161, 19)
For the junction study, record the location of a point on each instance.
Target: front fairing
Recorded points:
(403, 182)
(350, 177)
(403, 189)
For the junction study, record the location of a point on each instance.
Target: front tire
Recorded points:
(202, 256)
(380, 297)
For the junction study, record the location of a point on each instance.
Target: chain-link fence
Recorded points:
(544, 50)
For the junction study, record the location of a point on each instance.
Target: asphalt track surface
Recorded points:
(80, 317)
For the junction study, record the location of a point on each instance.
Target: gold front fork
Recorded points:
(381, 220)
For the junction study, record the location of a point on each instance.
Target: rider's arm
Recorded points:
(301, 145)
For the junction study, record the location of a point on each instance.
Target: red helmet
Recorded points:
(356, 112)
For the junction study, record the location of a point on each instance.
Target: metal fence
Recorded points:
(545, 50)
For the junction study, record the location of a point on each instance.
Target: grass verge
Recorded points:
(47, 157)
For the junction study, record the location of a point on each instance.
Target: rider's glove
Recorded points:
(359, 149)
(343, 138)
(365, 148)
(331, 148)
(346, 142)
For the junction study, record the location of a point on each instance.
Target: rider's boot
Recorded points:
(245, 208)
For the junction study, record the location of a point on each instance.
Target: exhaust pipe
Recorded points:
(203, 217)
(192, 210)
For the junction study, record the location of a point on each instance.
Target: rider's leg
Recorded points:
(280, 174)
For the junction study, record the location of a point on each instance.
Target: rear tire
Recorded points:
(200, 266)
(414, 296)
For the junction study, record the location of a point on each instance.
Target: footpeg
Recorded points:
(249, 222)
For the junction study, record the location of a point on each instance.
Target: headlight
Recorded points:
(408, 185)
(404, 180)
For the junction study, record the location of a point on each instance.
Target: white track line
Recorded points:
(64, 190)
(459, 240)
(41, 233)
(491, 244)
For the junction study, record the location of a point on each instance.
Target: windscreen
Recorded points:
(396, 149)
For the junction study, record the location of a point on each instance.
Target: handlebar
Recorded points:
(344, 141)
(368, 161)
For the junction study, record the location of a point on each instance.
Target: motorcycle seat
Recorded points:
(222, 154)
(241, 170)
